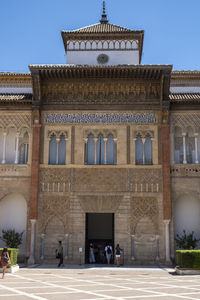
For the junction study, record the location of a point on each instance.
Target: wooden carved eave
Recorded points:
(66, 71)
(15, 77)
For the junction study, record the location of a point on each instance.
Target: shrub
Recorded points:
(186, 240)
(13, 256)
(12, 238)
(189, 259)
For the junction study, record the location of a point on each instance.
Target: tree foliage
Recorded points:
(12, 238)
(186, 241)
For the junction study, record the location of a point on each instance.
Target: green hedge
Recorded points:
(13, 255)
(188, 259)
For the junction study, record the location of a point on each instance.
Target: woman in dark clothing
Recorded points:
(118, 254)
(5, 260)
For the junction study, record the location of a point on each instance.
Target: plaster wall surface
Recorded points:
(115, 57)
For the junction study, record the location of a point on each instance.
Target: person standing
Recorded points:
(5, 260)
(117, 255)
(59, 254)
(92, 258)
(109, 253)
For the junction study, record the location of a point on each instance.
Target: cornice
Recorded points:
(71, 71)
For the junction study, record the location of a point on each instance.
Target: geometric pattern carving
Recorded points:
(54, 180)
(100, 203)
(185, 120)
(147, 179)
(18, 120)
(141, 208)
(52, 207)
(100, 118)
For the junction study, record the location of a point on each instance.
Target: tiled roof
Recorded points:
(101, 28)
(15, 99)
(184, 98)
(185, 89)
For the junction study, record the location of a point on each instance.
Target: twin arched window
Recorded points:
(100, 151)
(143, 150)
(184, 146)
(57, 150)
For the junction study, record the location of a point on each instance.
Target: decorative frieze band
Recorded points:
(100, 118)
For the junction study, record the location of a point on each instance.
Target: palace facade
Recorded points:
(101, 149)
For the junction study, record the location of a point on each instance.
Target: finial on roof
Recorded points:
(104, 19)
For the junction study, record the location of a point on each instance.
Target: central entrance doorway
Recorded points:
(99, 232)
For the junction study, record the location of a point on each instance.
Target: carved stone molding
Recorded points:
(100, 204)
(144, 207)
(54, 206)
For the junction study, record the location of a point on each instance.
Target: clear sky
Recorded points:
(30, 29)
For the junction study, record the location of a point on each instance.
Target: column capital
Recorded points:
(196, 134)
(183, 133)
(105, 139)
(166, 222)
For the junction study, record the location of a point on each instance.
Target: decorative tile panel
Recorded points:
(100, 118)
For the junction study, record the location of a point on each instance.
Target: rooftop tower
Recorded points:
(103, 44)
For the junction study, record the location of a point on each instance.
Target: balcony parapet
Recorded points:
(185, 170)
(14, 170)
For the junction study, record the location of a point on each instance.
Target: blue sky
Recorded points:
(30, 29)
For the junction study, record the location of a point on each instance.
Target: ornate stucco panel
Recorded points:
(144, 208)
(54, 206)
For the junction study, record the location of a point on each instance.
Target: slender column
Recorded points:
(31, 259)
(196, 148)
(143, 157)
(17, 148)
(95, 150)
(57, 145)
(184, 149)
(132, 247)
(42, 246)
(85, 150)
(115, 147)
(167, 240)
(157, 248)
(66, 245)
(4, 148)
(26, 154)
(105, 149)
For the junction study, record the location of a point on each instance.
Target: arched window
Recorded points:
(62, 151)
(178, 146)
(100, 150)
(90, 150)
(23, 149)
(148, 151)
(110, 151)
(52, 150)
(190, 147)
(10, 145)
(139, 149)
(57, 150)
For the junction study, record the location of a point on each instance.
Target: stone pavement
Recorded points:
(98, 283)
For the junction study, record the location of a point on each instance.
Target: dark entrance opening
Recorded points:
(99, 232)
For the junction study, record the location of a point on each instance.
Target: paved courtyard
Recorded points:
(98, 283)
